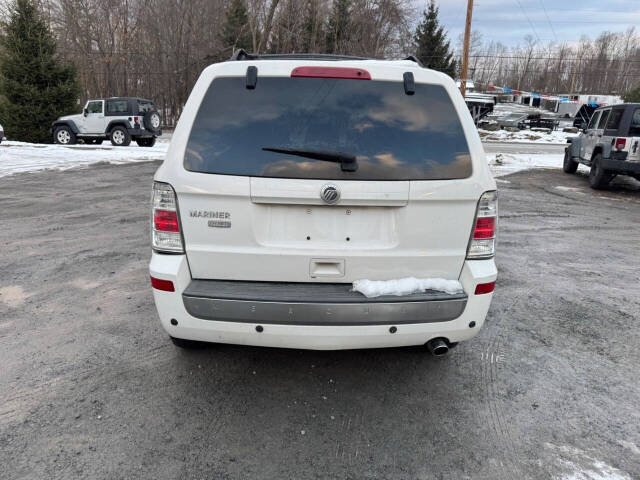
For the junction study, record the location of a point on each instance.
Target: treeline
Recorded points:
(157, 48)
(610, 64)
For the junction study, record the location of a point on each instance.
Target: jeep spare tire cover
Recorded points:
(151, 120)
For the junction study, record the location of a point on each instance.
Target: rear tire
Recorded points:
(120, 137)
(186, 344)
(146, 142)
(569, 165)
(599, 178)
(64, 136)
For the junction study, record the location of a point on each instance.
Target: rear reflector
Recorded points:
(620, 143)
(164, 285)
(483, 238)
(485, 288)
(331, 72)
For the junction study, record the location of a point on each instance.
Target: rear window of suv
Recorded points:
(145, 106)
(394, 136)
(634, 128)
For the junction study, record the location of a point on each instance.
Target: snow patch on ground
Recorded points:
(506, 163)
(630, 445)
(16, 157)
(405, 286)
(578, 465)
(569, 189)
(525, 136)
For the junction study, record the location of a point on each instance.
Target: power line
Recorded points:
(548, 20)
(528, 19)
(600, 22)
(575, 58)
(605, 71)
(564, 58)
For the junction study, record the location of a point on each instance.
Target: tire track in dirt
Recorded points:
(25, 398)
(489, 377)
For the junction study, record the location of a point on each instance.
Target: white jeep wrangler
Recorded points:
(119, 119)
(608, 144)
(291, 177)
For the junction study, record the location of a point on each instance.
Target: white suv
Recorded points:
(119, 119)
(290, 177)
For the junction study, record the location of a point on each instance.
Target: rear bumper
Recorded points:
(313, 304)
(141, 132)
(328, 325)
(620, 166)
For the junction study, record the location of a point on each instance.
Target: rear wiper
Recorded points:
(347, 161)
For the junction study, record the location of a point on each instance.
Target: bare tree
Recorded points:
(157, 48)
(608, 64)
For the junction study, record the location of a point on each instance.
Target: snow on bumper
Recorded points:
(170, 306)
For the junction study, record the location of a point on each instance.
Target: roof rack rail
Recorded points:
(242, 55)
(413, 58)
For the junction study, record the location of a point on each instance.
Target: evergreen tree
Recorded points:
(632, 96)
(432, 47)
(36, 87)
(235, 31)
(339, 24)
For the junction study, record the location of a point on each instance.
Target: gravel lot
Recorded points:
(90, 386)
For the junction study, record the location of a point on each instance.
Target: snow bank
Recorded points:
(18, 157)
(526, 136)
(506, 163)
(405, 286)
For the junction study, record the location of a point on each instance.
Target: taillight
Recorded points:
(165, 221)
(165, 230)
(483, 239)
(485, 228)
(620, 143)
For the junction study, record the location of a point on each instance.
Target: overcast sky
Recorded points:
(509, 21)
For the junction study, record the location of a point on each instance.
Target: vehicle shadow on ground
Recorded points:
(352, 408)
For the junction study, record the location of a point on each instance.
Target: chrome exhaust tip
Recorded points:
(437, 347)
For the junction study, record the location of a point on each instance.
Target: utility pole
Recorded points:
(573, 76)
(465, 50)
